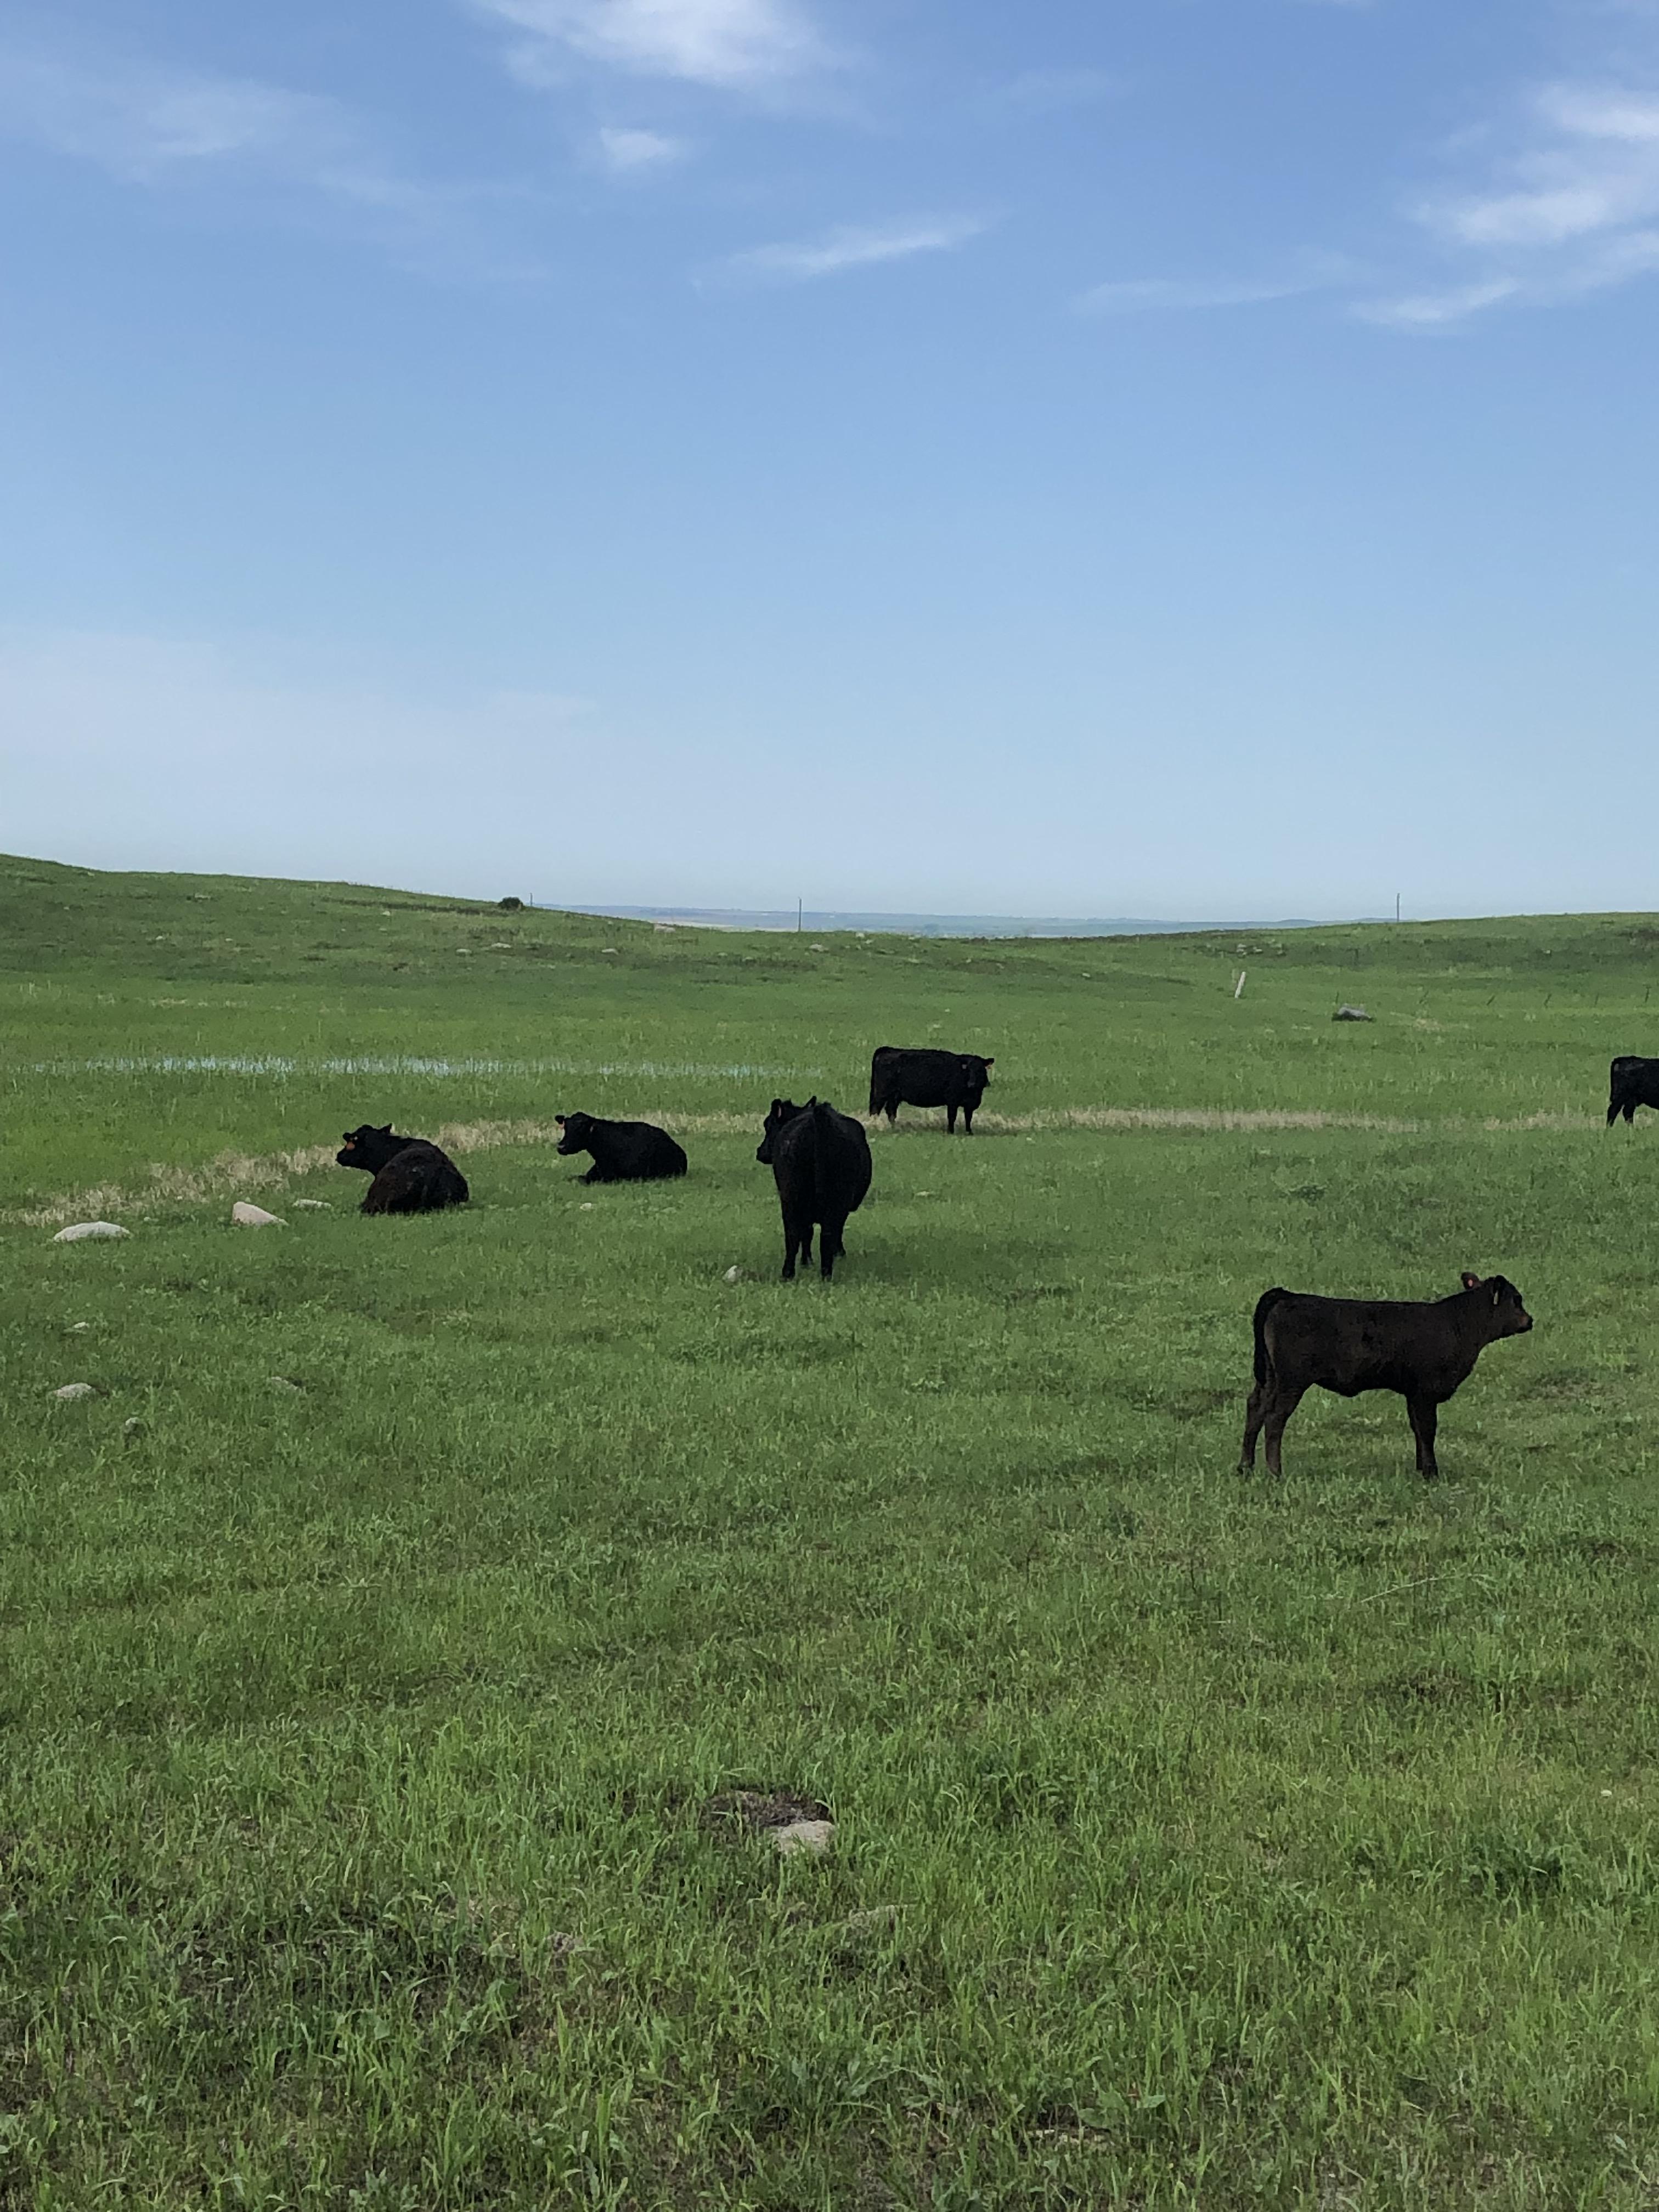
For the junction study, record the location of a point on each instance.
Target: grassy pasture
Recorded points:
(1198, 1842)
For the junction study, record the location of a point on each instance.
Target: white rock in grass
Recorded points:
(811, 1836)
(735, 1275)
(74, 1390)
(78, 1229)
(311, 1205)
(286, 1383)
(254, 1216)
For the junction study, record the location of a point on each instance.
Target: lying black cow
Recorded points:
(410, 1176)
(623, 1152)
(1349, 1345)
(1632, 1083)
(902, 1075)
(820, 1161)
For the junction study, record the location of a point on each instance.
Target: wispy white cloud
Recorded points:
(156, 126)
(1153, 294)
(1569, 207)
(142, 122)
(800, 260)
(1139, 296)
(627, 153)
(741, 45)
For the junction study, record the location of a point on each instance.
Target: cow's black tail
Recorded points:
(817, 1110)
(1264, 1306)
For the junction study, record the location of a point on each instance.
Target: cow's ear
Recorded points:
(559, 1118)
(386, 1128)
(1470, 1282)
(991, 1062)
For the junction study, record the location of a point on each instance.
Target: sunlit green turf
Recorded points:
(1198, 1841)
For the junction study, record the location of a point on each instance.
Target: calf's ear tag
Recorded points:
(1470, 1282)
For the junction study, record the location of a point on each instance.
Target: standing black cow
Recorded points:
(623, 1152)
(410, 1176)
(820, 1161)
(1632, 1083)
(903, 1075)
(1423, 1351)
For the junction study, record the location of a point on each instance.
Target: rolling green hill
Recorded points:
(379, 1632)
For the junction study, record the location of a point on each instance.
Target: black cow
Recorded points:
(820, 1161)
(1423, 1351)
(410, 1176)
(1632, 1083)
(920, 1076)
(623, 1152)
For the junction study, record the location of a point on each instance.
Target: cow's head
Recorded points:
(367, 1148)
(574, 1131)
(780, 1111)
(975, 1071)
(1499, 1304)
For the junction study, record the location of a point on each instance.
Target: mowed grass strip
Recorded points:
(376, 1635)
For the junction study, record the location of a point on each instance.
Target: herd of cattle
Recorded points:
(1423, 1350)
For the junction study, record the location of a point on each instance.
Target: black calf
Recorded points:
(623, 1152)
(410, 1176)
(820, 1161)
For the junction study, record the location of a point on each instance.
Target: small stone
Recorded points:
(131, 1427)
(814, 1836)
(74, 1390)
(586, 1207)
(311, 1205)
(254, 1216)
(75, 1327)
(1351, 1014)
(284, 1383)
(79, 1230)
(735, 1275)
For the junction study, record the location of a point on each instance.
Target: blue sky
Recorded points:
(1191, 458)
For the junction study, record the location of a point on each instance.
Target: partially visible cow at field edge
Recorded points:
(820, 1161)
(903, 1075)
(623, 1152)
(1632, 1083)
(410, 1176)
(1423, 1351)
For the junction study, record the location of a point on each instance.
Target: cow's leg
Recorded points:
(1281, 1404)
(1630, 1111)
(830, 1244)
(1424, 1419)
(1613, 1112)
(797, 1238)
(891, 1110)
(967, 1121)
(1256, 1412)
(950, 1117)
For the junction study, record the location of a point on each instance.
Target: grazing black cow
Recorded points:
(820, 1161)
(902, 1075)
(1423, 1351)
(410, 1176)
(623, 1152)
(1632, 1083)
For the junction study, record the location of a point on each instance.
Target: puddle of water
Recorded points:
(274, 1068)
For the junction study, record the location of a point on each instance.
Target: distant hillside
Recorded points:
(917, 924)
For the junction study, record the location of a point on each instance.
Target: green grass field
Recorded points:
(375, 1636)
